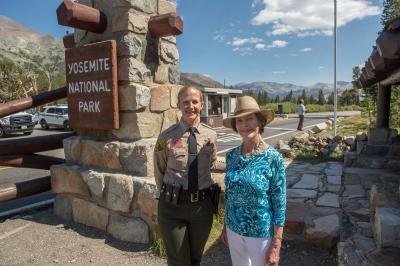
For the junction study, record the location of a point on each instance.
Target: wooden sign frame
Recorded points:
(92, 85)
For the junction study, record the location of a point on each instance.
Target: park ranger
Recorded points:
(183, 157)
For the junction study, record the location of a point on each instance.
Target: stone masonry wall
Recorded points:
(108, 180)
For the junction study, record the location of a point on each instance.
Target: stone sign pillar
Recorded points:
(107, 181)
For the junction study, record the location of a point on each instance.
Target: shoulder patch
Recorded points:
(160, 145)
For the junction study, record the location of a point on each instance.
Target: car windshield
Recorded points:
(65, 111)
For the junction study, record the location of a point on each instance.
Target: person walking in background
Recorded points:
(301, 109)
(183, 157)
(255, 195)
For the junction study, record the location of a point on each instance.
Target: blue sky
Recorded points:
(252, 40)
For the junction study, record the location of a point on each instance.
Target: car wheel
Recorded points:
(2, 132)
(66, 125)
(44, 124)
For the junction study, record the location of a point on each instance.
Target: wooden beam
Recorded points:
(30, 161)
(164, 25)
(376, 61)
(392, 79)
(82, 17)
(33, 144)
(388, 47)
(33, 101)
(10, 191)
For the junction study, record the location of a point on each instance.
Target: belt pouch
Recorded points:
(176, 191)
(168, 193)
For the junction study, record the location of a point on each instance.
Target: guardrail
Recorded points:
(20, 152)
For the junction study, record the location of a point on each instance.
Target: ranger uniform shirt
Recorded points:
(171, 155)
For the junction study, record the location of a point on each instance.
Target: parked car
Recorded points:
(54, 116)
(34, 114)
(19, 122)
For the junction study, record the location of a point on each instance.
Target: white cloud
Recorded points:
(242, 50)
(321, 67)
(278, 72)
(293, 54)
(278, 44)
(219, 38)
(242, 41)
(305, 50)
(273, 44)
(310, 17)
(255, 3)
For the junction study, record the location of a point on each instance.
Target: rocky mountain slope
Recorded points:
(196, 79)
(282, 89)
(40, 55)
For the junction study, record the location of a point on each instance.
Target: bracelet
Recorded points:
(278, 237)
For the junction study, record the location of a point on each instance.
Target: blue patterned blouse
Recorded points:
(255, 197)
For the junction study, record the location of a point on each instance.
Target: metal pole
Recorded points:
(334, 70)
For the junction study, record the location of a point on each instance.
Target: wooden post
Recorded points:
(382, 117)
(69, 40)
(165, 25)
(81, 17)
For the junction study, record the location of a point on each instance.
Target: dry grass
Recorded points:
(352, 125)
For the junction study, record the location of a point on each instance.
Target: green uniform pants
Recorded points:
(185, 229)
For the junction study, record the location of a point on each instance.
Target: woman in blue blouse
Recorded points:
(255, 196)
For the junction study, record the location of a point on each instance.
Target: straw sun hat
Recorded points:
(247, 105)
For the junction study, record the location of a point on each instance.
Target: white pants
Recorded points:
(247, 251)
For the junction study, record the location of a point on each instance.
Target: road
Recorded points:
(227, 139)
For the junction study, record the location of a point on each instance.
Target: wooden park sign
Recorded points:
(93, 86)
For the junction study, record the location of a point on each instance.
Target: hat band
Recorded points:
(246, 111)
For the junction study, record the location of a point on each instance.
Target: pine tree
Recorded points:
(321, 97)
(391, 10)
(303, 95)
(288, 98)
(331, 98)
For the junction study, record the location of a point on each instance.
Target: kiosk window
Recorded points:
(214, 105)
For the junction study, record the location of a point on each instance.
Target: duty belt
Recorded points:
(173, 193)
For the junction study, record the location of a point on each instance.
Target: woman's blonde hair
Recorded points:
(185, 88)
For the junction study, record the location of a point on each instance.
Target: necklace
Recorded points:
(245, 158)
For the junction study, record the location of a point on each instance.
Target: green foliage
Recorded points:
(331, 98)
(352, 125)
(395, 108)
(12, 82)
(262, 98)
(303, 95)
(158, 246)
(391, 10)
(321, 97)
(369, 104)
(349, 97)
